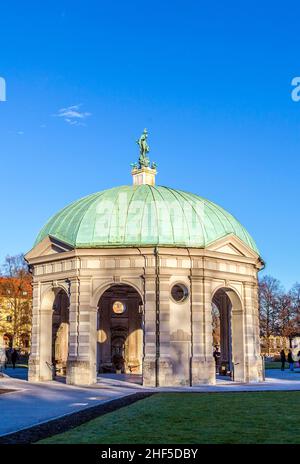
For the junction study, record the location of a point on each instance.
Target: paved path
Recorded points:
(18, 373)
(275, 381)
(34, 403)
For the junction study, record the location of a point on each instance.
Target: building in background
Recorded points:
(295, 345)
(15, 313)
(274, 344)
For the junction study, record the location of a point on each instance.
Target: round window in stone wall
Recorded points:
(179, 293)
(119, 307)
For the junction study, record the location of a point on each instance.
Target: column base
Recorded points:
(149, 372)
(254, 369)
(203, 371)
(81, 373)
(165, 372)
(39, 371)
(33, 370)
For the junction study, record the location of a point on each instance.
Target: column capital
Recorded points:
(46, 311)
(164, 277)
(36, 283)
(196, 274)
(199, 276)
(196, 278)
(91, 309)
(149, 274)
(250, 285)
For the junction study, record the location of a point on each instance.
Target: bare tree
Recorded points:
(15, 266)
(279, 310)
(286, 315)
(295, 300)
(270, 291)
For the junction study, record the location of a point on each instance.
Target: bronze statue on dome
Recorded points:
(144, 150)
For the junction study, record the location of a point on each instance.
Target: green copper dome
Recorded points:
(143, 215)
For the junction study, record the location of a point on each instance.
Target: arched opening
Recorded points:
(120, 332)
(60, 333)
(228, 335)
(221, 314)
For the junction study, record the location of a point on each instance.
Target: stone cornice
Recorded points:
(189, 253)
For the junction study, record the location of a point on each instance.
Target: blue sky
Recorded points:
(210, 80)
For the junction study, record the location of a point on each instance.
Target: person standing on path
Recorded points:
(14, 357)
(217, 356)
(291, 360)
(282, 359)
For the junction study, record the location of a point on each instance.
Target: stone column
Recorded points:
(81, 365)
(238, 341)
(40, 361)
(149, 360)
(202, 361)
(256, 325)
(34, 358)
(253, 366)
(46, 368)
(73, 319)
(165, 368)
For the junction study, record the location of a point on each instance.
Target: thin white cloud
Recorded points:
(73, 115)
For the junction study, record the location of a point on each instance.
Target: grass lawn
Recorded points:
(277, 365)
(196, 418)
(274, 365)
